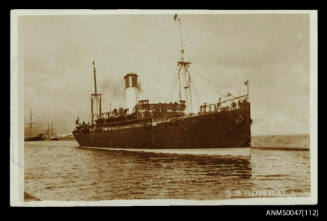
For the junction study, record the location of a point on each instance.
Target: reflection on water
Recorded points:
(59, 170)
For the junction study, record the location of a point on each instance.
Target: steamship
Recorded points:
(171, 125)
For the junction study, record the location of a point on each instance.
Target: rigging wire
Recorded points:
(216, 79)
(205, 79)
(195, 91)
(86, 112)
(175, 84)
(172, 85)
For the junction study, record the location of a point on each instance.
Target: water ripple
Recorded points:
(61, 171)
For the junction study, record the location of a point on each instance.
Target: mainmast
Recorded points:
(95, 78)
(30, 123)
(52, 131)
(49, 130)
(95, 99)
(184, 76)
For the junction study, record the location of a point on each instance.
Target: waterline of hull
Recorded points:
(230, 151)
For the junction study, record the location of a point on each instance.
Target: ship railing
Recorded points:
(234, 98)
(126, 124)
(226, 105)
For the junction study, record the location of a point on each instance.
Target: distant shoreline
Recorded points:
(281, 148)
(281, 142)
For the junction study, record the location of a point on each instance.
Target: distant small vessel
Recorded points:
(35, 138)
(50, 134)
(53, 138)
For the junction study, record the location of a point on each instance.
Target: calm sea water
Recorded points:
(60, 170)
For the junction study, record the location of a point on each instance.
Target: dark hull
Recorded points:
(213, 130)
(34, 139)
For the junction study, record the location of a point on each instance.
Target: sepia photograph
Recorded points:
(163, 107)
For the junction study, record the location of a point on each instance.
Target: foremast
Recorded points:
(183, 73)
(95, 100)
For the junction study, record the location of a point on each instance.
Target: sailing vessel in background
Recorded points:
(141, 124)
(50, 133)
(39, 137)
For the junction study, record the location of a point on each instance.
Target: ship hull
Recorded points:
(212, 130)
(34, 139)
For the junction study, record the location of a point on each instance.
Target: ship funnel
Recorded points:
(131, 96)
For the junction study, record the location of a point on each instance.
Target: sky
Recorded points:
(269, 50)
